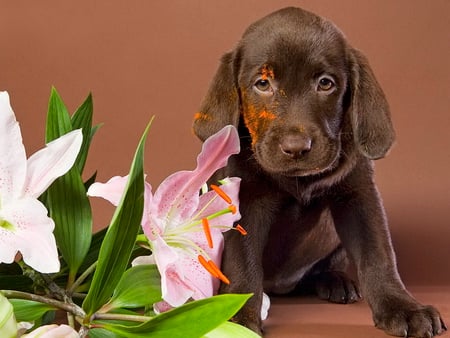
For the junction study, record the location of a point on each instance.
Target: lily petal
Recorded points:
(203, 284)
(177, 196)
(13, 165)
(143, 260)
(31, 235)
(174, 288)
(53, 331)
(51, 162)
(112, 190)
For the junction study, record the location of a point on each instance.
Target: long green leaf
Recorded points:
(229, 329)
(82, 118)
(119, 240)
(58, 119)
(70, 209)
(191, 320)
(28, 310)
(92, 255)
(102, 333)
(66, 198)
(139, 286)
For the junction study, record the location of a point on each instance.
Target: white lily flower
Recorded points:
(24, 223)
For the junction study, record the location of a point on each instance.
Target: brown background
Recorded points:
(144, 58)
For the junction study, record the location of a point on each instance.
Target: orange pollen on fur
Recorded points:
(221, 193)
(265, 115)
(201, 116)
(256, 120)
(207, 231)
(266, 72)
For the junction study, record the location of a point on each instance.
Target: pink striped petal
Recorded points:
(177, 197)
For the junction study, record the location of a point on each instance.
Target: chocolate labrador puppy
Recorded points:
(311, 118)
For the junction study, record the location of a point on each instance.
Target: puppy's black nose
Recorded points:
(296, 145)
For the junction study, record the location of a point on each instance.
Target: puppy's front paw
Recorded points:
(336, 287)
(402, 318)
(250, 320)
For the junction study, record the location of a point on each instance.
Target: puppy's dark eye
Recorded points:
(325, 84)
(263, 86)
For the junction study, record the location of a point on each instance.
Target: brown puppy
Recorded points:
(311, 117)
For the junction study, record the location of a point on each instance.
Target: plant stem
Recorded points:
(70, 320)
(84, 331)
(71, 279)
(51, 286)
(81, 279)
(69, 307)
(118, 316)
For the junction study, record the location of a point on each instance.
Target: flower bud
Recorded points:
(8, 324)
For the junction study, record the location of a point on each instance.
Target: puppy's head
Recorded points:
(295, 86)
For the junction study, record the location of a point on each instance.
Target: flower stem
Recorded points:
(82, 278)
(69, 307)
(118, 316)
(71, 279)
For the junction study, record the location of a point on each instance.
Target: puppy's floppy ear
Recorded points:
(369, 111)
(220, 107)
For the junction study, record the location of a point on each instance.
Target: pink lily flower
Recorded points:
(24, 223)
(184, 228)
(53, 331)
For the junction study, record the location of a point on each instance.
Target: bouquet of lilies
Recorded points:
(153, 272)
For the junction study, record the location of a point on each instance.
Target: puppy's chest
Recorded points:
(300, 235)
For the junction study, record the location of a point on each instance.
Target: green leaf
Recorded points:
(58, 119)
(66, 198)
(94, 249)
(193, 319)
(228, 329)
(69, 207)
(82, 118)
(138, 287)
(90, 181)
(102, 333)
(28, 310)
(120, 237)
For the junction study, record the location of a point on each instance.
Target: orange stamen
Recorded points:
(233, 209)
(222, 277)
(221, 193)
(207, 231)
(241, 230)
(207, 266)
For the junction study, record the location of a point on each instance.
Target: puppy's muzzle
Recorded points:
(295, 146)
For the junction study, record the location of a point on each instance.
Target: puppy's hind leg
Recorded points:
(329, 280)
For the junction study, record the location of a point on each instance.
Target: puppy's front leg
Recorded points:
(362, 227)
(242, 257)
